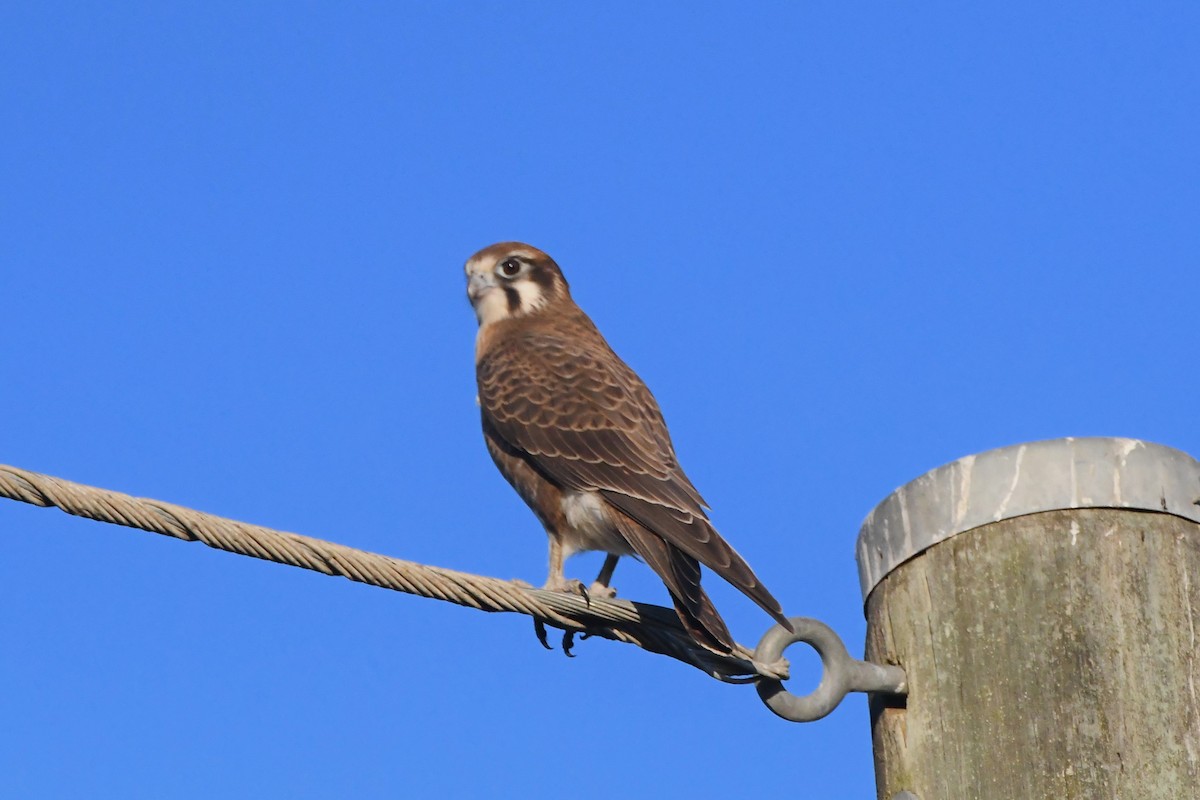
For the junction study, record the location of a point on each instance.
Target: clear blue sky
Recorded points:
(843, 243)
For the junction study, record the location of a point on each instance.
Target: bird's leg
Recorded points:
(555, 581)
(600, 587)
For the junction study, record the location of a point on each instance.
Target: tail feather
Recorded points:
(681, 573)
(694, 536)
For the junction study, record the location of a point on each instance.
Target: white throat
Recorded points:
(492, 306)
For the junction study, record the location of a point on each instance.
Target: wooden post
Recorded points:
(1044, 601)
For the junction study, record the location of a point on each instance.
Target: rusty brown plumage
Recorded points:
(582, 440)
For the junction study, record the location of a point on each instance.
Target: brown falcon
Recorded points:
(582, 440)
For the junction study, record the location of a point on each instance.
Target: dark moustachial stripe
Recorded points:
(514, 299)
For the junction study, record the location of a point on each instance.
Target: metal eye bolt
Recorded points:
(840, 674)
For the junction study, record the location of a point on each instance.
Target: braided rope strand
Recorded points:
(650, 627)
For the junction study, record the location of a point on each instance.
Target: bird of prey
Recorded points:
(583, 442)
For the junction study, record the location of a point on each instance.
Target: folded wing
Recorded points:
(587, 422)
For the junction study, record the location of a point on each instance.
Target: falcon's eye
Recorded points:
(510, 267)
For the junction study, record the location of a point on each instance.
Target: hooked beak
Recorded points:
(479, 283)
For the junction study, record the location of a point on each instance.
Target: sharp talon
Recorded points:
(568, 642)
(569, 587)
(539, 628)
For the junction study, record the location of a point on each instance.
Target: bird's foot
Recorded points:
(567, 643)
(568, 586)
(568, 639)
(539, 629)
(602, 591)
(557, 583)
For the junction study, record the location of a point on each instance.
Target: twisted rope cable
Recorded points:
(650, 627)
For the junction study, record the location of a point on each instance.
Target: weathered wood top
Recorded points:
(1024, 479)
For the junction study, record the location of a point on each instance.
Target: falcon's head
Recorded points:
(511, 279)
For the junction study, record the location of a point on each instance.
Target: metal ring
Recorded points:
(840, 673)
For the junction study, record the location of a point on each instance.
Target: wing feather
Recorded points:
(681, 574)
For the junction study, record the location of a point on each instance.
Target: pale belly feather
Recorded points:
(588, 526)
